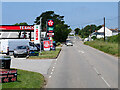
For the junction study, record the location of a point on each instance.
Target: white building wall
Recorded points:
(108, 32)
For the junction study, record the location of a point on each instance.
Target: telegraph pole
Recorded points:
(104, 28)
(40, 32)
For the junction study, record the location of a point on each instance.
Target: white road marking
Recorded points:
(49, 76)
(105, 81)
(81, 51)
(53, 67)
(51, 72)
(96, 71)
(56, 59)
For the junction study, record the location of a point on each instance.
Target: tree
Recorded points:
(61, 30)
(87, 30)
(23, 23)
(77, 30)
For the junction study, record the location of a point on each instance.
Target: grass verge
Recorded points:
(47, 54)
(26, 79)
(107, 47)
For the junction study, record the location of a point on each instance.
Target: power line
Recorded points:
(98, 20)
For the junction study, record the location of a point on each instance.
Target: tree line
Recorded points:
(61, 30)
(87, 30)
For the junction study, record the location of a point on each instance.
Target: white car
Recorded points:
(69, 43)
(86, 39)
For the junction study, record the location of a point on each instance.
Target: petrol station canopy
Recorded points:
(14, 28)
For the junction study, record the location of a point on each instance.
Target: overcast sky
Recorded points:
(77, 14)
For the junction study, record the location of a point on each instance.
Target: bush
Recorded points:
(94, 37)
(58, 43)
(108, 47)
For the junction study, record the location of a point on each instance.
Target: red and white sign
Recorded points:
(7, 27)
(50, 23)
(46, 45)
(36, 34)
(51, 43)
(50, 34)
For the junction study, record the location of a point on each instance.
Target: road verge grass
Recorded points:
(107, 47)
(47, 54)
(26, 79)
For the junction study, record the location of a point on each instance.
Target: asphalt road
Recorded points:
(81, 66)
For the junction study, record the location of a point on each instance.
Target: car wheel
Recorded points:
(14, 56)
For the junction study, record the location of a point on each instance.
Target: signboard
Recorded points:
(50, 34)
(50, 23)
(8, 76)
(8, 27)
(50, 28)
(43, 34)
(36, 34)
(46, 45)
(51, 43)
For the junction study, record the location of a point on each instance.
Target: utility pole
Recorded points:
(104, 28)
(40, 32)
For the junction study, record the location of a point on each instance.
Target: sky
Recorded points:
(76, 14)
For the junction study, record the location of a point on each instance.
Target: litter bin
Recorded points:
(5, 62)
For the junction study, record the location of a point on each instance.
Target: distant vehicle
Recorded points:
(21, 51)
(86, 39)
(53, 48)
(8, 45)
(69, 43)
(36, 46)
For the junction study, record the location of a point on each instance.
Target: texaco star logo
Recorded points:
(50, 23)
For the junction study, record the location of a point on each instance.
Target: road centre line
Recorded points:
(81, 51)
(96, 71)
(51, 72)
(49, 76)
(102, 77)
(105, 81)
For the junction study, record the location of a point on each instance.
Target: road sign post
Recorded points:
(50, 28)
(36, 34)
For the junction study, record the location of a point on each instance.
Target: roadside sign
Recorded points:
(50, 28)
(51, 43)
(36, 34)
(46, 45)
(50, 34)
(50, 23)
(8, 76)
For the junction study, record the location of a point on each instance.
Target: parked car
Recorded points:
(36, 46)
(86, 39)
(53, 48)
(21, 51)
(8, 45)
(69, 43)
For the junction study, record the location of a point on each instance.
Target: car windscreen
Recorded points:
(21, 47)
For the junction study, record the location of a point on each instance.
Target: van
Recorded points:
(8, 45)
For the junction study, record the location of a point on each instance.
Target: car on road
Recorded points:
(69, 43)
(86, 39)
(21, 51)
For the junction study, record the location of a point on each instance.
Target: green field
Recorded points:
(107, 47)
(47, 54)
(26, 79)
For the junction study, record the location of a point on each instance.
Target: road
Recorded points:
(81, 66)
